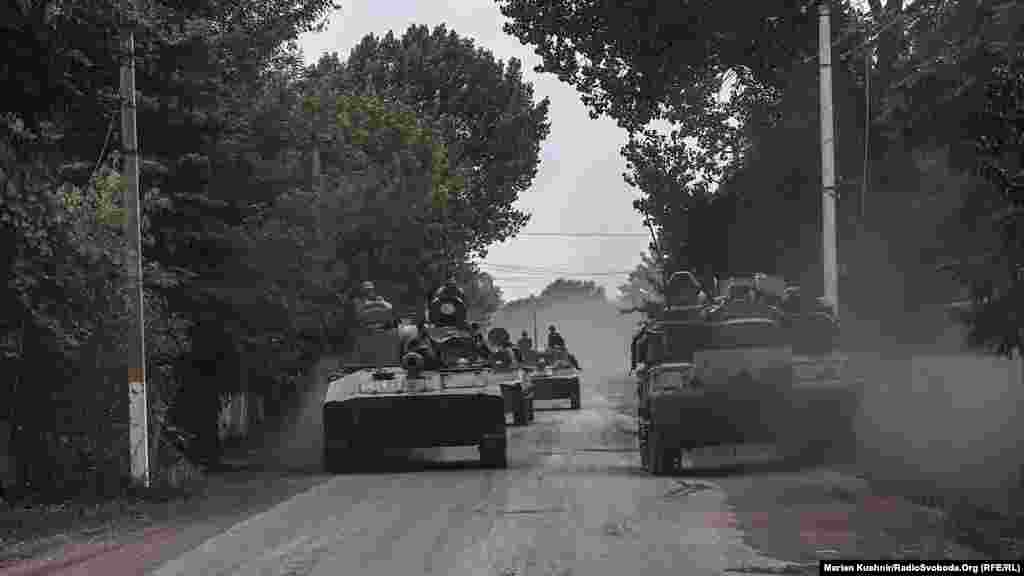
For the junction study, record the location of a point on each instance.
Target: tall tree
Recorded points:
(672, 62)
(484, 110)
(960, 89)
(569, 289)
(196, 67)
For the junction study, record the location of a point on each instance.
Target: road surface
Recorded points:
(572, 502)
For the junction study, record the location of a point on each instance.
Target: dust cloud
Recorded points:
(297, 446)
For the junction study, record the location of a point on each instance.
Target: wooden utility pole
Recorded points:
(138, 436)
(828, 176)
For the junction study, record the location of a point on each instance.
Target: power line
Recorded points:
(581, 235)
(516, 269)
(527, 275)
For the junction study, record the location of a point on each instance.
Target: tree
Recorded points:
(568, 289)
(962, 80)
(484, 111)
(644, 284)
(638, 63)
(483, 297)
(671, 62)
(197, 66)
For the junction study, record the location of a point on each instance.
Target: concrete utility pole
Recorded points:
(138, 435)
(828, 176)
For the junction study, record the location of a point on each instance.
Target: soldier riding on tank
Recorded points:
(374, 312)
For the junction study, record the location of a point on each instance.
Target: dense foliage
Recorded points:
(559, 290)
(250, 261)
(927, 133)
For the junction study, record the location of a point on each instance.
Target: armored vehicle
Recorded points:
(556, 376)
(516, 386)
(826, 393)
(709, 373)
(416, 385)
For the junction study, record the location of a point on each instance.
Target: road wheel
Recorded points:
(339, 458)
(522, 415)
(575, 401)
(531, 415)
(659, 458)
(494, 453)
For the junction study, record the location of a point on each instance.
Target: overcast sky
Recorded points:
(579, 186)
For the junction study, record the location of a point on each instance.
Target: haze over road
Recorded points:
(573, 501)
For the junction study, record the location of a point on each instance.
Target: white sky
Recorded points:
(579, 186)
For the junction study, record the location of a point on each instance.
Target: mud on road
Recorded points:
(573, 501)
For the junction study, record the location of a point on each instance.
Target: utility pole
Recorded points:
(138, 435)
(867, 134)
(536, 342)
(828, 176)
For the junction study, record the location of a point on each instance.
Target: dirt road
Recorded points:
(573, 501)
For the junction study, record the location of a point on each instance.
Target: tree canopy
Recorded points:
(250, 261)
(480, 106)
(733, 184)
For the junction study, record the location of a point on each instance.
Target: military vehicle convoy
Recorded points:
(416, 386)
(719, 371)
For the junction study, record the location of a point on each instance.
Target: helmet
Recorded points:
(448, 307)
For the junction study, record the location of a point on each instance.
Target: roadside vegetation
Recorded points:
(425, 140)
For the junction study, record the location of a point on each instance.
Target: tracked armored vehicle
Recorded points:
(416, 386)
(709, 373)
(556, 377)
(725, 372)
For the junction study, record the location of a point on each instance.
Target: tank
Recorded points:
(709, 372)
(416, 386)
(555, 377)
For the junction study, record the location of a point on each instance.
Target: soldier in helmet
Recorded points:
(525, 346)
(525, 343)
(555, 339)
(373, 310)
(479, 341)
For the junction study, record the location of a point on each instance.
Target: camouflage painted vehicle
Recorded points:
(410, 386)
(516, 387)
(708, 374)
(555, 377)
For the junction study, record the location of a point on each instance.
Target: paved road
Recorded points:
(572, 502)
